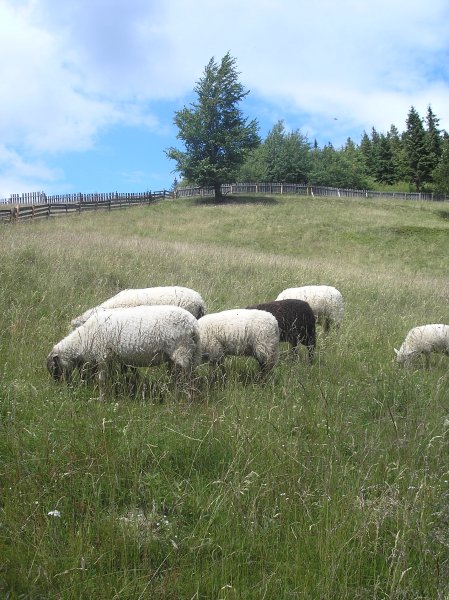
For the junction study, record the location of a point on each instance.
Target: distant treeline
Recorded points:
(418, 157)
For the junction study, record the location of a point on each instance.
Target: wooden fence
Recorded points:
(304, 190)
(36, 206)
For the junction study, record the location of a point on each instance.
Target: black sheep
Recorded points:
(297, 323)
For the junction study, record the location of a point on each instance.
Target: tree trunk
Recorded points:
(218, 195)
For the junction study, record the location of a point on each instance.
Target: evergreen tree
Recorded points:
(287, 155)
(343, 168)
(441, 172)
(374, 168)
(366, 149)
(356, 171)
(297, 158)
(384, 171)
(434, 140)
(419, 162)
(397, 149)
(216, 136)
(275, 152)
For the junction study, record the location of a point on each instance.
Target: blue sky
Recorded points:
(90, 87)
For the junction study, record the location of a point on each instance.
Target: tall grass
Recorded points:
(329, 481)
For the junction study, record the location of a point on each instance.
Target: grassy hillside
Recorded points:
(326, 482)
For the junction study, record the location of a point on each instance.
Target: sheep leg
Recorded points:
(266, 364)
(131, 376)
(310, 353)
(182, 376)
(103, 373)
(310, 343)
(294, 344)
(218, 369)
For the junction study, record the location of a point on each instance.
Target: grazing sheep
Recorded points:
(170, 295)
(422, 341)
(139, 336)
(325, 301)
(240, 332)
(296, 323)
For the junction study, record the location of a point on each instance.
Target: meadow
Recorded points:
(322, 482)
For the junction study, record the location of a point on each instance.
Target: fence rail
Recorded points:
(28, 206)
(41, 198)
(304, 190)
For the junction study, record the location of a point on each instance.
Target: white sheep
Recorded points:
(325, 301)
(240, 332)
(423, 340)
(176, 295)
(139, 336)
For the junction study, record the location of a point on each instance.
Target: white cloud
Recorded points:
(17, 173)
(48, 106)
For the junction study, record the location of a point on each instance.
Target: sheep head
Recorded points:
(55, 366)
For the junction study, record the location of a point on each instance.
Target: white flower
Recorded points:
(54, 513)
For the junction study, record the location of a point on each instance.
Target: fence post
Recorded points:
(14, 214)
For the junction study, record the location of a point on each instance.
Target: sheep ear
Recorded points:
(396, 351)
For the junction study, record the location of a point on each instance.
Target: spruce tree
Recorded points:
(216, 135)
(434, 140)
(419, 162)
(366, 149)
(384, 167)
(397, 149)
(441, 172)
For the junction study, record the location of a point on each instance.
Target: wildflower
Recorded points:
(54, 513)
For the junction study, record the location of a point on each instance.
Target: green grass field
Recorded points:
(327, 481)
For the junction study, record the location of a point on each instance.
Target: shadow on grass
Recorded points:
(444, 214)
(235, 199)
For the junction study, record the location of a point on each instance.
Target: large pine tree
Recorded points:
(216, 135)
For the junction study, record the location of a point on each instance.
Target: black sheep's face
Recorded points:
(55, 366)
